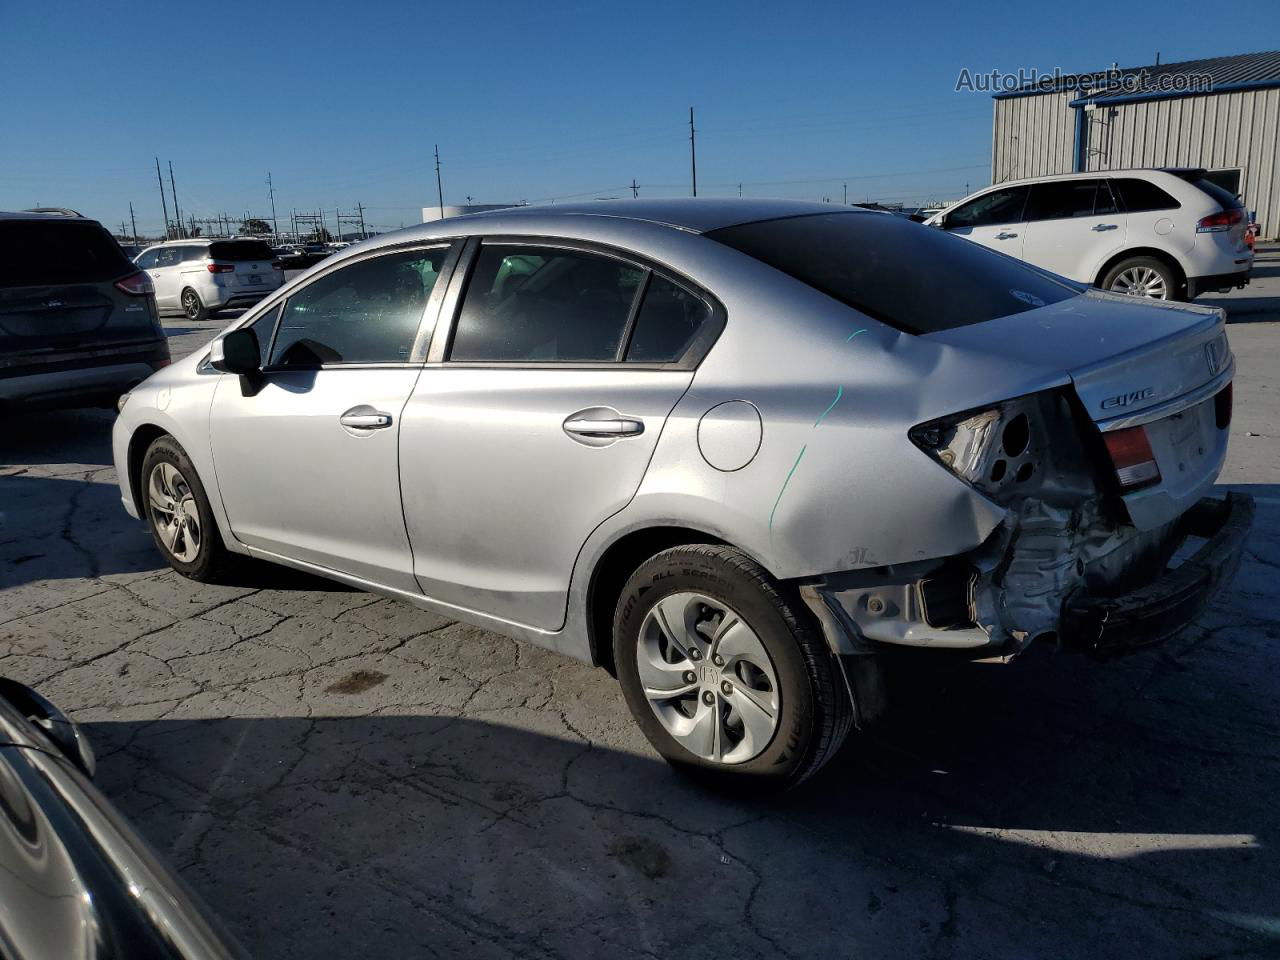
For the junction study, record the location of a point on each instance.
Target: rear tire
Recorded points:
(192, 306)
(1144, 277)
(724, 674)
(178, 513)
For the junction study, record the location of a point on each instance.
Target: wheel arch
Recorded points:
(611, 572)
(140, 441)
(1155, 253)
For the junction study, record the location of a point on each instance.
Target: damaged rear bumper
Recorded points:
(1110, 625)
(1049, 580)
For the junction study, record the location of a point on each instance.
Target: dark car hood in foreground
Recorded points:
(76, 881)
(1124, 355)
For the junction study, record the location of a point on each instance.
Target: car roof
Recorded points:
(43, 217)
(693, 214)
(1179, 172)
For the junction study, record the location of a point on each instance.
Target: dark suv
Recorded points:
(78, 321)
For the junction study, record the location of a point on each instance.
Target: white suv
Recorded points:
(1166, 234)
(200, 277)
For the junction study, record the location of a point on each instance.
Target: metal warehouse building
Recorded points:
(1147, 117)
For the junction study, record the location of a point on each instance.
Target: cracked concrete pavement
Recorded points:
(341, 775)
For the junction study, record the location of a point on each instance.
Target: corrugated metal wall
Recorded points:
(1239, 129)
(1035, 136)
(1032, 136)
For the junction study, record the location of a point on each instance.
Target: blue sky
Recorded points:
(342, 102)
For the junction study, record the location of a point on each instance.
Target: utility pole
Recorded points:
(846, 194)
(164, 205)
(133, 222)
(124, 229)
(693, 152)
(739, 189)
(635, 190)
(177, 214)
(271, 192)
(363, 233)
(439, 185)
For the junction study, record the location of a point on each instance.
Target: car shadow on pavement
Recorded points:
(1047, 808)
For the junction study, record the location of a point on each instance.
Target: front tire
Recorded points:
(727, 680)
(1144, 277)
(178, 513)
(192, 306)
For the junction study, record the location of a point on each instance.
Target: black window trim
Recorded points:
(694, 354)
(426, 324)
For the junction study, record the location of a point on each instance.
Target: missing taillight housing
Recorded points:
(1220, 222)
(1132, 457)
(1222, 403)
(136, 285)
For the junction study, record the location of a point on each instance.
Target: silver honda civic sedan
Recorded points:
(736, 452)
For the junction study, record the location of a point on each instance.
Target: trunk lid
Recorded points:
(1126, 357)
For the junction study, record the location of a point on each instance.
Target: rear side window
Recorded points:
(1142, 196)
(543, 304)
(998, 206)
(1064, 199)
(367, 312)
(670, 318)
(915, 278)
(240, 250)
(194, 253)
(38, 252)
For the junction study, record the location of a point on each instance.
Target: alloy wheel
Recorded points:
(174, 513)
(191, 304)
(1141, 282)
(708, 678)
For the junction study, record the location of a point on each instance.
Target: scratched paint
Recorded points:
(784, 487)
(854, 334)
(839, 394)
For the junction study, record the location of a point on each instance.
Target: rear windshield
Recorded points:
(240, 250)
(41, 252)
(915, 278)
(1226, 198)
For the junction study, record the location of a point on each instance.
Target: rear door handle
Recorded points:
(1005, 235)
(1100, 227)
(365, 421)
(622, 427)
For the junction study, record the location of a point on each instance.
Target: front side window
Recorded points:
(367, 312)
(148, 259)
(536, 304)
(1064, 199)
(990, 209)
(168, 256)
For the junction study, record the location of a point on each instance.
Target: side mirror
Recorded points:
(236, 352)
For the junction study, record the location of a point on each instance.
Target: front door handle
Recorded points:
(622, 427)
(365, 421)
(1005, 235)
(1100, 227)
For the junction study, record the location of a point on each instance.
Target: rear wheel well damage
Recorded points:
(139, 443)
(1167, 259)
(613, 570)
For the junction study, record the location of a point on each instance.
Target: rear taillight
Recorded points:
(136, 285)
(220, 267)
(277, 265)
(995, 450)
(1222, 407)
(1220, 222)
(1134, 461)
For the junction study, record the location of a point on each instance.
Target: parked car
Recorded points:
(733, 450)
(78, 882)
(78, 321)
(1167, 234)
(201, 277)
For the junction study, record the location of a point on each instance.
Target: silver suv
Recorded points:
(201, 277)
